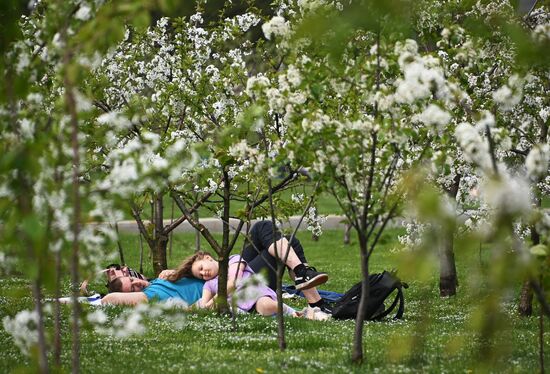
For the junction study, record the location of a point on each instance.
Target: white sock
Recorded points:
(288, 311)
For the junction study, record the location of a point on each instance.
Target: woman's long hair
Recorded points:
(184, 270)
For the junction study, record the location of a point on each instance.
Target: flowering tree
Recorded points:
(358, 122)
(47, 194)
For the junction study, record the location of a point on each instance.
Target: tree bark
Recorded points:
(159, 254)
(447, 272)
(223, 306)
(347, 236)
(448, 280)
(57, 312)
(75, 263)
(42, 350)
(357, 350)
(525, 307)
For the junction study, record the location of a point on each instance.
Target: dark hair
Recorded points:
(115, 285)
(184, 270)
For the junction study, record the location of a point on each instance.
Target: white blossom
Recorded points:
(23, 329)
(537, 160)
(277, 26)
(84, 12)
(434, 115)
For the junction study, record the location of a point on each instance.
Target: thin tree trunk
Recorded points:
(171, 235)
(223, 307)
(541, 333)
(447, 271)
(42, 349)
(71, 106)
(160, 262)
(57, 312)
(197, 232)
(448, 280)
(140, 253)
(119, 245)
(280, 316)
(357, 350)
(347, 236)
(159, 254)
(525, 307)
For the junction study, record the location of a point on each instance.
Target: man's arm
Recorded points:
(124, 298)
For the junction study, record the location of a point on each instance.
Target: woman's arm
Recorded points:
(166, 273)
(207, 299)
(233, 276)
(124, 298)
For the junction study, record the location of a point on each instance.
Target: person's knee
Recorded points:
(266, 306)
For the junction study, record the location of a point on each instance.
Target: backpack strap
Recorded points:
(398, 298)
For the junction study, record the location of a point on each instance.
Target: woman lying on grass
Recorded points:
(261, 298)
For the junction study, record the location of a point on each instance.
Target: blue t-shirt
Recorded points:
(186, 289)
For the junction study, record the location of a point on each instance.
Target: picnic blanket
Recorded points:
(329, 296)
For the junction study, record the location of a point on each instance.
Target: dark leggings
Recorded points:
(257, 256)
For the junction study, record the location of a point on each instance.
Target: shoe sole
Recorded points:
(313, 282)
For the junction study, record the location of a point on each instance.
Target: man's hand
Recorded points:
(166, 273)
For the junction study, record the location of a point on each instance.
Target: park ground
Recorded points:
(437, 334)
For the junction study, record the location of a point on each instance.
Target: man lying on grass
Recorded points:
(132, 291)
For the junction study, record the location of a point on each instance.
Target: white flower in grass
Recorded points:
(277, 26)
(537, 160)
(97, 317)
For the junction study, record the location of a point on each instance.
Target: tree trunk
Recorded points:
(75, 263)
(448, 280)
(357, 350)
(347, 236)
(525, 307)
(280, 317)
(223, 307)
(159, 254)
(42, 350)
(541, 333)
(447, 272)
(57, 312)
(160, 262)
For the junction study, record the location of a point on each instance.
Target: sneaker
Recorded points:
(316, 314)
(310, 278)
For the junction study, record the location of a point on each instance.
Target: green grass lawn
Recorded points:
(436, 335)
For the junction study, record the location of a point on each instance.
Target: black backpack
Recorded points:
(382, 285)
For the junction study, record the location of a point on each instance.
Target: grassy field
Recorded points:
(435, 336)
